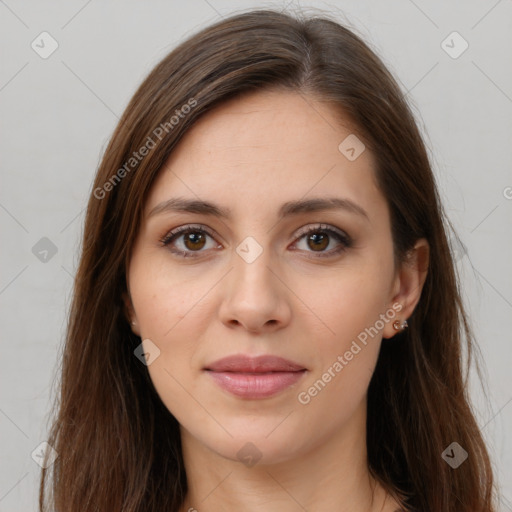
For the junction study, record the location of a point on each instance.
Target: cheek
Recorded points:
(349, 306)
(171, 307)
(345, 357)
(162, 297)
(346, 303)
(166, 304)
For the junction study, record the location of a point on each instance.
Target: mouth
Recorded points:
(255, 377)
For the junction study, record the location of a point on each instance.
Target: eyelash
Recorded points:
(343, 238)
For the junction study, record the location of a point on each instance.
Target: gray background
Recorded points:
(58, 113)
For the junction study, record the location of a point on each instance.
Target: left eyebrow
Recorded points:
(287, 209)
(321, 204)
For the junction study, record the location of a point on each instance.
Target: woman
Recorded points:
(266, 314)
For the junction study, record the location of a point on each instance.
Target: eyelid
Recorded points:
(308, 228)
(167, 237)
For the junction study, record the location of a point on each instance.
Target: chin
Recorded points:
(255, 440)
(250, 452)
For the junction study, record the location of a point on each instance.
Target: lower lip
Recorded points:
(251, 385)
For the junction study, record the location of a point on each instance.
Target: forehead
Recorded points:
(265, 148)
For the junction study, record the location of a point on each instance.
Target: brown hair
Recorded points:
(119, 447)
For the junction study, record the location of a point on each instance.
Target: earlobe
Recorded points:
(129, 313)
(135, 327)
(409, 285)
(400, 326)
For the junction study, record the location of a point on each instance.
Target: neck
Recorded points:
(333, 475)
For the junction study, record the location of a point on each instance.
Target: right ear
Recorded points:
(129, 313)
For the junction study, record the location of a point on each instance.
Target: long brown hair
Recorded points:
(118, 446)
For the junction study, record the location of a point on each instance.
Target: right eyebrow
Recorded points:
(178, 204)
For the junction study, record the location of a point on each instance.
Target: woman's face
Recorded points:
(292, 257)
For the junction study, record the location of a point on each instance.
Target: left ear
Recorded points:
(409, 283)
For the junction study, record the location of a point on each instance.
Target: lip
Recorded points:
(255, 377)
(241, 363)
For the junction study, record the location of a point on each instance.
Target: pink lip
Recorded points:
(255, 377)
(241, 363)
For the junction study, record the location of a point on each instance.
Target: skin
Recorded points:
(251, 155)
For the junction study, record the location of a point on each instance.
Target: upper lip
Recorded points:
(260, 364)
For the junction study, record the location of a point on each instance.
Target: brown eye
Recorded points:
(318, 238)
(194, 240)
(189, 241)
(318, 241)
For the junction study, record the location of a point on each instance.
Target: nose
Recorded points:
(255, 297)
